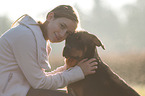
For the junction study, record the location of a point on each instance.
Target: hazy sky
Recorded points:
(15, 8)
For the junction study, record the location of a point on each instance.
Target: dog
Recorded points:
(104, 82)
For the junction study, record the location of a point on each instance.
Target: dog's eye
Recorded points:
(78, 37)
(76, 58)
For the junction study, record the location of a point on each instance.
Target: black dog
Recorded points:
(104, 82)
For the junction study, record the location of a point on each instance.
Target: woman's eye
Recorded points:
(62, 26)
(69, 32)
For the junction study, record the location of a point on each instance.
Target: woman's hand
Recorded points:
(88, 66)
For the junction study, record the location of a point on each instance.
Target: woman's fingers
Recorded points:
(82, 61)
(91, 60)
(93, 64)
(89, 66)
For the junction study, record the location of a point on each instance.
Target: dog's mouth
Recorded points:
(71, 61)
(75, 58)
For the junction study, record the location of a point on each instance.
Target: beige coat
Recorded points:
(23, 57)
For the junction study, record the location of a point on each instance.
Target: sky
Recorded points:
(15, 8)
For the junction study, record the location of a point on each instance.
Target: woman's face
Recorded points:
(59, 28)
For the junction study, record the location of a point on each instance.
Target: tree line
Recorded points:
(103, 22)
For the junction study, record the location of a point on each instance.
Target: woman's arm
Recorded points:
(59, 69)
(25, 52)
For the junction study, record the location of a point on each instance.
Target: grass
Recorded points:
(140, 89)
(129, 66)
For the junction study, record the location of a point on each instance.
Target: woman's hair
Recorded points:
(64, 11)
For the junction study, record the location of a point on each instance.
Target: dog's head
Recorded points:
(80, 45)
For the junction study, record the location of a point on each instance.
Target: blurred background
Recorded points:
(119, 24)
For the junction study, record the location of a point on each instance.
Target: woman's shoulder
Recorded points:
(18, 33)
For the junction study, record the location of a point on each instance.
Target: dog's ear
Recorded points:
(96, 41)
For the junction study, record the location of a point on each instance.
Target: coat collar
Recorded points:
(40, 41)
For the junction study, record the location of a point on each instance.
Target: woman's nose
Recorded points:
(63, 33)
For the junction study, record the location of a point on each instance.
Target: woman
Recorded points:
(23, 56)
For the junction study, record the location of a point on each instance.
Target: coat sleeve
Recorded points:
(59, 69)
(24, 49)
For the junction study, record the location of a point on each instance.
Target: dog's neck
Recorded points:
(96, 55)
(92, 53)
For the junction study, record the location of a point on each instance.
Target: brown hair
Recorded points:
(60, 11)
(64, 11)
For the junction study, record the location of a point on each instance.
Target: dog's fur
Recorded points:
(104, 82)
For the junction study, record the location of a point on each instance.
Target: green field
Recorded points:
(140, 89)
(130, 66)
